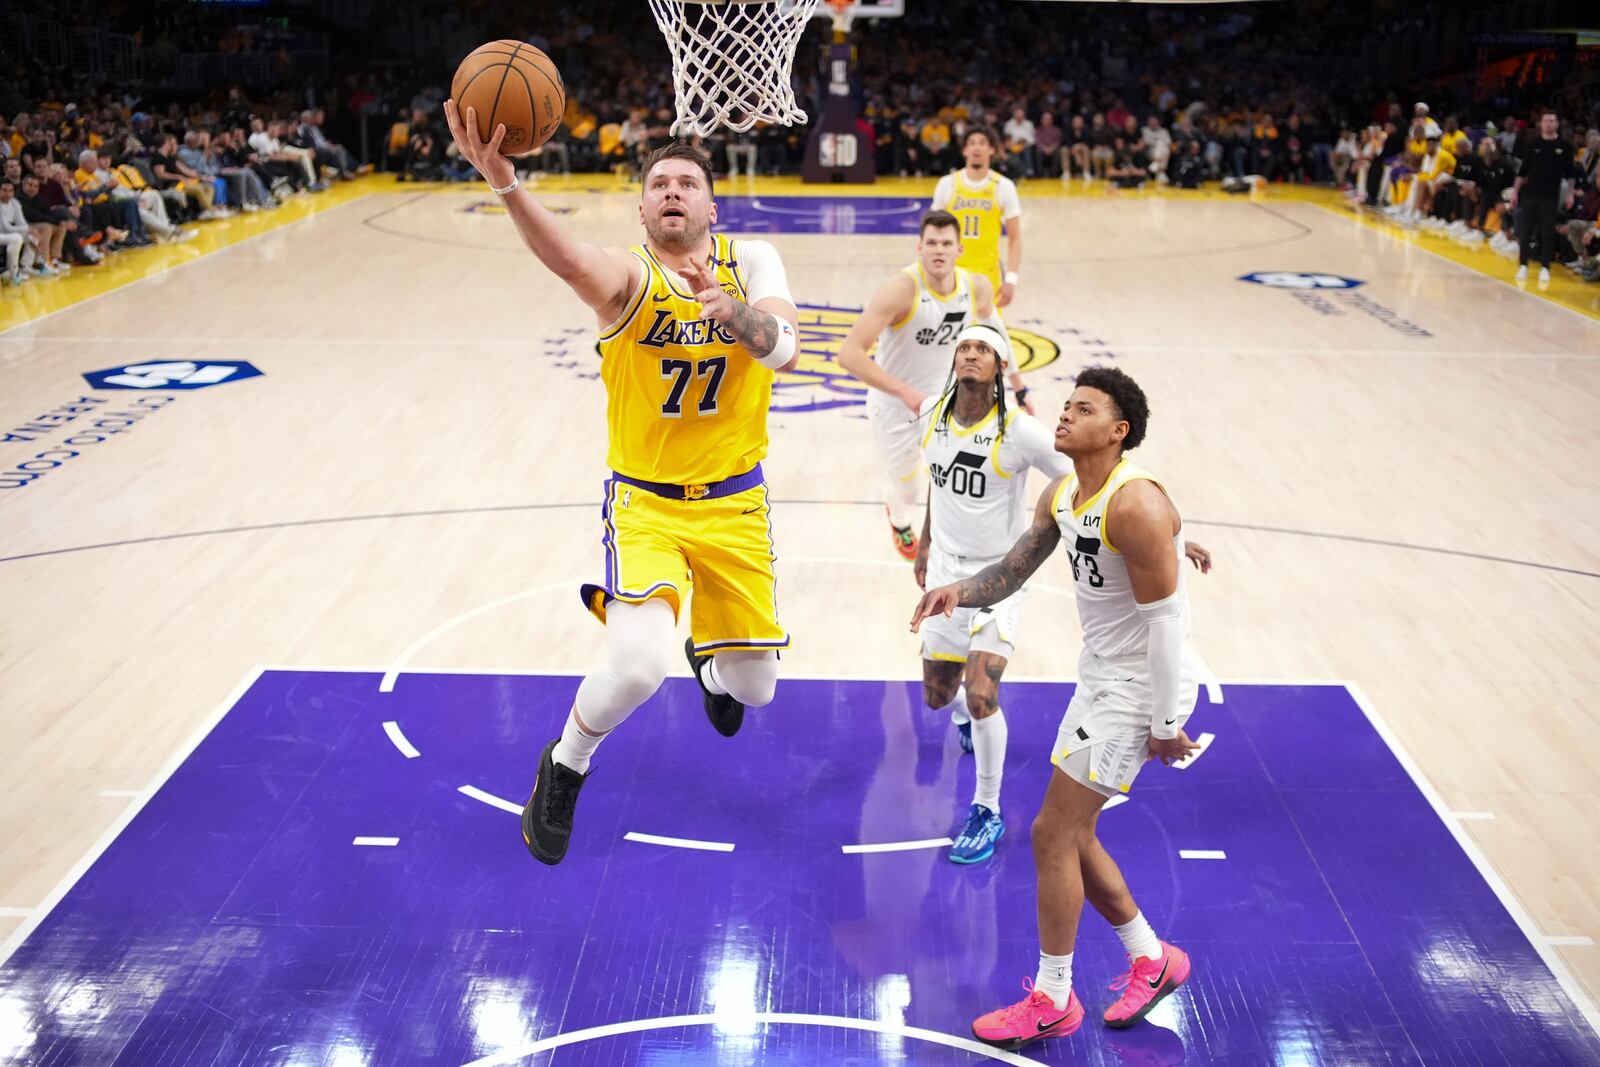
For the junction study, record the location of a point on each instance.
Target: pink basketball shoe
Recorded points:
(1147, 984)
(1033, 1018)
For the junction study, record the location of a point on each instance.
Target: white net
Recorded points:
(731, 61)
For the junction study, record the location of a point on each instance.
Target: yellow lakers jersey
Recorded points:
(981, 218)
(685, 403)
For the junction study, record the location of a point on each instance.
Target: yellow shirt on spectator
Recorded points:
(88, 180)
(1441, 163)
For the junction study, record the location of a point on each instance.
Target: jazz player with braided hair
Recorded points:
(693, 326)
(1137, 686)
(978, 456)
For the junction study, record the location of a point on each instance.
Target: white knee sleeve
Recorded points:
(751, 678)
(639, 646)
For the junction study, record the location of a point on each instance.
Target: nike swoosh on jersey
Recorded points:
(658, 299)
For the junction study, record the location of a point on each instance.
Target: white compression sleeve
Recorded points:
(1164, 619)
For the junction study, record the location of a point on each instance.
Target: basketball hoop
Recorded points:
(731, 61)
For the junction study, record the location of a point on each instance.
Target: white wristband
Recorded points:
(502, 192)
(783, 351)
(1010, 277)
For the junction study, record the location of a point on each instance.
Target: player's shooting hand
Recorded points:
(940, 601)
(1199, 556)
(496, 169)
(715, 302)
(1171, 749)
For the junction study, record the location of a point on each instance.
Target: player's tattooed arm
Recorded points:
(999, 580)
(756, 330)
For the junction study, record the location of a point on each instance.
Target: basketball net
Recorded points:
(731, 61)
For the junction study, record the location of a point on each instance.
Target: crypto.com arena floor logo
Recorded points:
(818, 383)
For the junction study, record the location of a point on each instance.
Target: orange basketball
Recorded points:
(513, 83)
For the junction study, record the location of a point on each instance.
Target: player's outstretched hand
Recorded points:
(1199, 556)
(496, 169)
(1172, 749)
(940, 601)
(714, 300)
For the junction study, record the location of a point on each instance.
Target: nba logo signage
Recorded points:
(174, 374)
(837, 149)
(1292, 279)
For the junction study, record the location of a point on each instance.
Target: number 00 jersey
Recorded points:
(685, 403)
(1112, 625)
(919, 348)
(978, 502)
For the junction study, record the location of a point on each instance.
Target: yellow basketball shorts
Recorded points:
(718, 548)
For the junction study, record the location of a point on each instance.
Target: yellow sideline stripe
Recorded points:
(40, 297)
(1566, 288)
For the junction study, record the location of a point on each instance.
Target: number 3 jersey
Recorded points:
(1107, 610)
(685, 403)
(978, 502)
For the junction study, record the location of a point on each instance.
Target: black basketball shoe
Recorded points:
(725, 713)
(547, 819)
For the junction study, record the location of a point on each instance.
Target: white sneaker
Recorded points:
(1522, 273)
(1544, 275)
(18, 277)
(1472, 237)
(251, 209)
(180, 236)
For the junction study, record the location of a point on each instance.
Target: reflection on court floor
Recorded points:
(334, 875)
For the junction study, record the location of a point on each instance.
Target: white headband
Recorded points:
(990, 336)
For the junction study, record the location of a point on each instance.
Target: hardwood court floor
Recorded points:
(1396, 479)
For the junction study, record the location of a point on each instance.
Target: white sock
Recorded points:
(1139, 938)
(1055, 978)
(576, 745)
(958, 707)
(989, 750)
(708, 675)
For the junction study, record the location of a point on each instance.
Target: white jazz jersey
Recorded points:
(978, 504)
(1112, 625)
(920, 348)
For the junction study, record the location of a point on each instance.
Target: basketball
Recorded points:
(513, 83)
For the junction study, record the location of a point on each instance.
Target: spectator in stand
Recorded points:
(264, 138)
(152, 206)
(1156, 143)
(171, 174)
(1434, 176)
(934, 136)
(1130, 166)
(101, 192)
(1266, 153)
(1295, 154)
(397, 141)
(58, 190)
(1346, 152)
(1075, 156)
(49, 235)
(1047, 147)
(16, 236)
(1483, 203)
(1020, 138)
(326, 152)
(1102, 152)
(1187, 168)
(425, 155)
(277, 179)
(635, 136)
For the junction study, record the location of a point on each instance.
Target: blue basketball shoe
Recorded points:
(964, 735)
(983, 830)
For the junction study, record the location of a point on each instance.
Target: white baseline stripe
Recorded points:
(389, 676)
(1571, 942)
(400, 740)
(678, 842)
(490, 799)
(1202, 854)
(767, 1018)
(897, 846)
(128, 813)
(1492, 877)
(382, 841)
